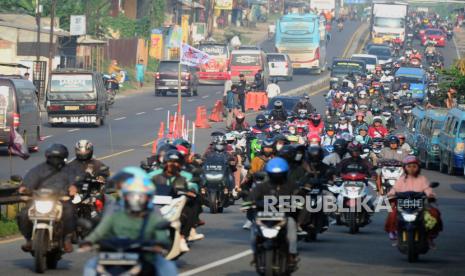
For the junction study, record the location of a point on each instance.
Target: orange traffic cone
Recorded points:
(201, 118)
(216, 115)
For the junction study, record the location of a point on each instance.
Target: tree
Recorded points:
(18, 6)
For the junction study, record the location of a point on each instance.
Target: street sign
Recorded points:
(77, 25)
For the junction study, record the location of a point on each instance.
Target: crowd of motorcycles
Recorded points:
(364, 113)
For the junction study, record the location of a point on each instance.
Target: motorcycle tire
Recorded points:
(412, 254)
(52, 260)
(40, 246)
(269, 263)
(213, 198)
(353, 227)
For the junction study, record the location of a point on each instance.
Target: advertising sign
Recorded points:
(156, 44)
(77, 25)
(223, 4)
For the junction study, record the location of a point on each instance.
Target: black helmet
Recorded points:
(315, 154)
(330, 127)
(174, 156)
(278, 104)
(162, 150)
(287, 152)
(340, 146)
(376, 111)
(260, 120)
(182, 142)
(56, 155)
(268, 142)
(84, 150)
(393, 140)
(354, 148)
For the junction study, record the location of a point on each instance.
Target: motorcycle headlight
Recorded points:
(213, 176)
(409, 217)
(270, 232)
(333, 79)
(43, 206)
(435, 147)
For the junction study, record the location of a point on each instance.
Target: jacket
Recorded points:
(377, 132)
(45, 176)
(412, 184)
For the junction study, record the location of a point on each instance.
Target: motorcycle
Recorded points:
(47, 235)
(171, 210)
(412, 233)
(449, 34)
(111, 86)
(340, 26)
(272, 247)
(406, 113)
(313, 222)
(391, 170)
(352, 191)
(217, 192)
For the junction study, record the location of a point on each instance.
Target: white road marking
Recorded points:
(174, 104)
(217, 263)
(46, 137)
(140, 113)
(73, 130)
(115, 154)
(217, 93)
(204, 97)
(456, 48)
(120, 118)
(190, 100)
(158, 108)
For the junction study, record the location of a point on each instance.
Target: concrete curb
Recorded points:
(360, 37)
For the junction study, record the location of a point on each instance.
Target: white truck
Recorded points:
(388, 21)
(324, 5)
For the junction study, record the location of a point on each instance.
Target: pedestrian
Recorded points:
(451, 101)
(273, 90)
(140, 72)
(241, 91)
(26, 76)
(231, 104)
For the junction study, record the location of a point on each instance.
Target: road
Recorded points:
(134, 122)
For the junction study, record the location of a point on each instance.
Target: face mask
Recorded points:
(298, 157)
(279, 146)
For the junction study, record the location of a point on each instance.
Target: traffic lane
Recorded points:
(138, 127)
(335, 48)
(370, 252)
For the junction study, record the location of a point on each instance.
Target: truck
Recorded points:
(388, 21)
(324, 6)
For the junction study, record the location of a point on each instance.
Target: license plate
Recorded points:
(171, 83)
(73, 107)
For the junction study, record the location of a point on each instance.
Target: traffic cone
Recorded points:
(216, 115)
(201, 118)
(161, 133)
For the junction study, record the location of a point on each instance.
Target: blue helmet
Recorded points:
(277, 165)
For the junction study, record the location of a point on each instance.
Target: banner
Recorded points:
(156, 44)
(4, 100)
(193, 57)
(185, 28)
(77, 25)
(223, 4)
(17, 145)
(175, 37)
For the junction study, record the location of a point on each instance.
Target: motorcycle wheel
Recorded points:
(269, 263)
(353, 227)
(213, 203)
(412, 254)
(52, 260)
(40, 246)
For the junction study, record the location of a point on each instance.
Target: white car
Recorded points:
(279, 65)
(370, 61)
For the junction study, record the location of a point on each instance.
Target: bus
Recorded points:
(298, 35)
(216, 69)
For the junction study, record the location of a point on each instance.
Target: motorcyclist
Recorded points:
(344, 126)
(388, 119)
(363, 98)
(85, 165)
(305, 104)
(277, 170)
(415, 55)
(336, 156)
(430, 49)
(404, 145)
(403, 90)
(280, 141)
(393, 152)
(260, 125)
(359, 121)
(52, 174)
(316, 125)
(350, 105)
(329, 137)
(377, 129)
(239, 124)
(294, 155)
(278, 113)
(362, 135)
(338, 101)
(331, 116)
(136, 221)
(354, 163)
(396, 86)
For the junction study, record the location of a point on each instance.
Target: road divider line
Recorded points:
(46, 137)
(217, 263)
(174, 104)
(115, 154)
(158, 108)
(73, 130)
(140, 113)
(204, 97)
(120, 118)
(10, 240)
(217, 93)
(190, 100)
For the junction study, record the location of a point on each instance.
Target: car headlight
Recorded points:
(43, 206)
(214, 176)
(270, 232)
(409, 217)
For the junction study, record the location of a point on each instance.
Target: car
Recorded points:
(76, 97)
(166, 79)
(383, 53)
(371, 44)
(248, 62)
(436, 35)
(452, 142)
(19, 109)
(428, 139)
(370, 60)
(341, 68)
(413, 127)
(279, 65)
(417, 80)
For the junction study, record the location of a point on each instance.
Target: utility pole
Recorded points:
(38, 30)
(50, 42)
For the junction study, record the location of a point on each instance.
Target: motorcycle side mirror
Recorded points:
(85, 224)
(16, 178)
(163, 225)
(434, 184)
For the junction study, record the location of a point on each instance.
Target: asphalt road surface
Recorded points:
(134, 123)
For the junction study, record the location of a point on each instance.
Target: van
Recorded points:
(452, 142)
(248, 62)
(76, 96)
(279, 65)
(414, 125)
(428, 139)
(19, 108)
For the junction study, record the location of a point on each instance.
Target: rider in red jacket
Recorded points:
(377, 130)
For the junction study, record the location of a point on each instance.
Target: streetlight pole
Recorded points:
(38, 30)
(50, 43)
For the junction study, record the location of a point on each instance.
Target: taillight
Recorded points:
(16, 120)
(90, 107)
(54, 107)
(286, 66)
(98, 205)
(157, 76)
(188, 76)
(317, 53)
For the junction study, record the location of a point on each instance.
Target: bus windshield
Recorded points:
(388, 22)
(294, 27)
(410, 79)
